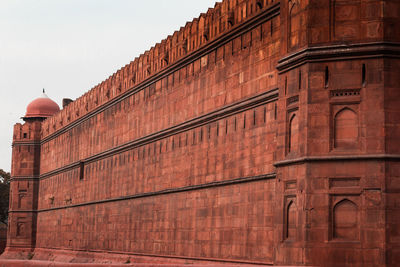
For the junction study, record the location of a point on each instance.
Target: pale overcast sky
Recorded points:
(69, 46)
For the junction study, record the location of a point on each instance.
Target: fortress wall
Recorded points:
(205, 132)
(209, 83)
(234, 147)
(202, 31)
(232, 222)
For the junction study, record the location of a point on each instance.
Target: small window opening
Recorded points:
(364, 82)
(285, 85)
(25, 135)
(81, 170)
(326, 77)
(299, 79)
(265, 114)
(259, 5)
(272, 27)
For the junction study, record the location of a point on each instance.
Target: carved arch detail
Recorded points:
(345, 220)
(294, 21)
(291, 221)
(346, 129)
(293, 134)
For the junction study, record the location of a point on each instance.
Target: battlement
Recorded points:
(27, 131)
(195, 34)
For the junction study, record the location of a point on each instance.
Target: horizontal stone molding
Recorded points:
(226, 111)
(22, 211)
(25, 178)
(380, 157)
(229, 36)
(126, 253)
(26, 143)
(164, 192)
(338, 52)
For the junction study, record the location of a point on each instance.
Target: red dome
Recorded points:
(42, 107)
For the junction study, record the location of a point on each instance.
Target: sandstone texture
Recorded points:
(264, 132)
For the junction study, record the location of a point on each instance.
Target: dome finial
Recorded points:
(43, 91)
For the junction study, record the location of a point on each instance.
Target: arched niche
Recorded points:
(293, 24)
(346, 129)
(346, 221)
(295, 21)
(293, 140)
(291, 221)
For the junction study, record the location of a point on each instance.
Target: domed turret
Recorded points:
(41, 107)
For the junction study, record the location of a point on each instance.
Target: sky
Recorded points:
(69, 46)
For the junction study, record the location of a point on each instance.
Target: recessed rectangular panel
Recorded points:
(344, 182)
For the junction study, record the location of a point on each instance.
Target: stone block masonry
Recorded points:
(264, 132)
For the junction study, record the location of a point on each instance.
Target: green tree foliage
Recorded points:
(4, 195)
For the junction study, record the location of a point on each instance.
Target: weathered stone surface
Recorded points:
(263, 132)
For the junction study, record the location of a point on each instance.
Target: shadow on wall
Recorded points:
(3, 237)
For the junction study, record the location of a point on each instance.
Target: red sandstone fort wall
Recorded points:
(204, 134)
(227, 222)
(264, 131)
(182, 46)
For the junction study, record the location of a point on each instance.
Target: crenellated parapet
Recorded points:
(169, 53)
(27, 132)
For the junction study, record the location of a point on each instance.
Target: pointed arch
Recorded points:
(345, 220)
(293, 140)
(291, 221)
(293, 24)
(346, 129)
